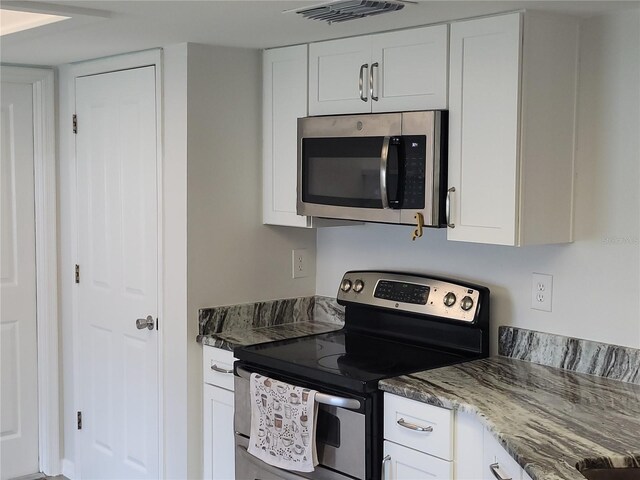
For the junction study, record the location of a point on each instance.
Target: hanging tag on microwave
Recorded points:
(417, 233)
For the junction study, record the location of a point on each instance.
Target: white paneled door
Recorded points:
(18, 342)
(117, 192)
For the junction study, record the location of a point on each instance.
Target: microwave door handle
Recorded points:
(384, 159)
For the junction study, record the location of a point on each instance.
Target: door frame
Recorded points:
(72, 468)
(46, 220)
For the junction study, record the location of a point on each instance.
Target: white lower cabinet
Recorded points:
(218, 434)
(418, 440)
(404, 463)
(497, 463)
(424, 441)
(217, 417)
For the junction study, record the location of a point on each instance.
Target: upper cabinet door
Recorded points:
(512, 104)
(483, 129)
(409, 69)
(284, 101)
(339, 76)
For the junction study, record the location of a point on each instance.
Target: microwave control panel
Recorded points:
(414, 147)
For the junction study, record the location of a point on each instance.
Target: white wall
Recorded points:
(231, 256)
(175, 335)
(596, 279)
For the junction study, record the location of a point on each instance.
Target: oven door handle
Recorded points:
(324, 398)
(265, 467)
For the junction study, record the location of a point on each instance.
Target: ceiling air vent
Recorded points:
(344, 10)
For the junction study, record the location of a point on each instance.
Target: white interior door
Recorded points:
(118, 259)
(18, 342)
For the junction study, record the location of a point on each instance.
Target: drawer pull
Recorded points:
(216, 368)
(412, 426)
(498, 472)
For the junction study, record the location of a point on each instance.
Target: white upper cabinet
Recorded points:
(512, 98)
(284, 101)
(395, 71)
(339, 76)
(409, 69)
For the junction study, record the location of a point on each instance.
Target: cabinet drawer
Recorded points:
(495, 455)
(419, 426)
(402, 463)
(216, 364)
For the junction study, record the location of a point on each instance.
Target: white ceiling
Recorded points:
(100, 27)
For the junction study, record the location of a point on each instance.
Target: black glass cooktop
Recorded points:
(346, 359)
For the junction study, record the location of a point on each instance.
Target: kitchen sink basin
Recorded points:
(611, 473)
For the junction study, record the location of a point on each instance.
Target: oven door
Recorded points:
(341, 437)
(249, 467)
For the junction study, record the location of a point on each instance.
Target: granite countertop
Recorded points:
(230, 339)
(233, 326)
(550, 420)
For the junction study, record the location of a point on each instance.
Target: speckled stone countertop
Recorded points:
(550, 420)
(230, 339)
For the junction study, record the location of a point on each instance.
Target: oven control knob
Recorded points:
(358, 285)
(466, 303)
(449, 299)
(345, 286)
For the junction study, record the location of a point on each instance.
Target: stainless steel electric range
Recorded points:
(395, 324)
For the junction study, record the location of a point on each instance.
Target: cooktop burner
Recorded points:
(352, 359)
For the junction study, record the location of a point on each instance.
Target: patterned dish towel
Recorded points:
(283, 424)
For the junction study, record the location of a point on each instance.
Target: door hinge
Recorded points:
(74, 122)
(79, 420)
(77, 270)
(157, 321)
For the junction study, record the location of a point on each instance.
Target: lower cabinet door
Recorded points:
(497, 461)
(219, 447)
(402, 463)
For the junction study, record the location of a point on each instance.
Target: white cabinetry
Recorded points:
(512, 97)
(218, 441)
(439, 443)
(497, 463)
(418, 440)
(395, 71)
(284, 99)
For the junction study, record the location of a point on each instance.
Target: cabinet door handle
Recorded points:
(448, 207)
(371, 79)
(384, 464)
(498, 472)
(412, 426)
(361, 82)
(216, 368)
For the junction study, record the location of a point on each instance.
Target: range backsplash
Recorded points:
(267, 314)
(575, 354)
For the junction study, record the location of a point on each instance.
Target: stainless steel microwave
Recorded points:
(375, 168)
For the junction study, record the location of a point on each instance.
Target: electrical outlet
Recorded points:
(299, 263)
(541, 292)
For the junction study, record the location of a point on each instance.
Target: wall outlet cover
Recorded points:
(299, 263)
(541, 292)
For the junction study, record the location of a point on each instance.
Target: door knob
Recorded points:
(148, 322)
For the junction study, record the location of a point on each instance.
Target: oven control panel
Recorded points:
(411, 293)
